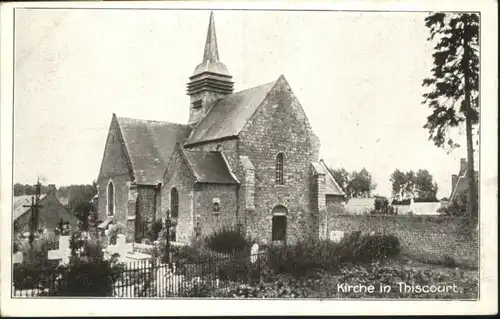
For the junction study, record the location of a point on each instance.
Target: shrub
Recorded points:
(113, 233)
(88, 277)
(88, 273)
(382, 207)
(227, 240)
(35, 274)
(356, 247)
(304, 257)
(449, 261)
(155, 230)
(240, 268)
(41, 245)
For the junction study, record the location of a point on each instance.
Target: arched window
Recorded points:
(111, 199)
(174, 203)
(279, 169)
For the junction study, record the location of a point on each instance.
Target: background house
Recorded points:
(359, 206)
(459, 183)
(49, 215)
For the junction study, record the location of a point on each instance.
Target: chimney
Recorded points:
(463, 165)
(51, 190)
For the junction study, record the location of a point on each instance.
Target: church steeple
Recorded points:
(210, 80)
(211, 52)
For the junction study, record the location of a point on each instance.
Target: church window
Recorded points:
(111, 199)
(216, 206)
(279, 169)
(197, 104)
(174, 203)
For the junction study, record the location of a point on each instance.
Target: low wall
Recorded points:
(426, 238)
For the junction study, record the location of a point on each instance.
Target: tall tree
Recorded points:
(425, 186)
(454, 85)
(342, 178)
(403, 184)
(361, 184)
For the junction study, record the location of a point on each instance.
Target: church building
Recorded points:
(247, 160)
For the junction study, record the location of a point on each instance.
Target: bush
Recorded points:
(382, 207)
(88, 277)
(155, 230)
(114, 232)
(41, 245)
(449, 261)
(88, 273)
(32, 275)
(304, 257)
(228, 240)
(356, 247)
(240, 268)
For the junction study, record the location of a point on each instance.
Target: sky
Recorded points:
(357, 75)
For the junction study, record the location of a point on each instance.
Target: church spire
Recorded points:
(211, 51)
(210, 81)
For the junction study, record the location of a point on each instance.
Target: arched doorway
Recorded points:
(279, 224)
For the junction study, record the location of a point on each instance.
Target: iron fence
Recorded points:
(153, 278)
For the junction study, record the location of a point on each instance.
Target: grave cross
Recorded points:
(34, 213)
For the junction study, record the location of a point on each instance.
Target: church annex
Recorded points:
(247, 160)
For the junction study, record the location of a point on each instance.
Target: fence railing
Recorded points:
(154, 279)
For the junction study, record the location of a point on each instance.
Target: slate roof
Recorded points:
(19, 201)
(50, 214)
(149, 145)
(331, 185)
(209, 167)
(228, 116)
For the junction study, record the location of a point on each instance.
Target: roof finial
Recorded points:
(211, 51)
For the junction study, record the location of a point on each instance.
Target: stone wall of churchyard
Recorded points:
(280, 125)
(204, 197)
(422, 237)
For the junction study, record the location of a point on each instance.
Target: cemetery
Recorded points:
(307, 269)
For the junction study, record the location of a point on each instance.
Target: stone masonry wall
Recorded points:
(422, 237)
(204, 198)
(179, 176)
(280, 125)
(114, 168)
(146, 210)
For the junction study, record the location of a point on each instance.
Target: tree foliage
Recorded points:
(354, 184)
(453, 57)
(453, 94)
(419, 186)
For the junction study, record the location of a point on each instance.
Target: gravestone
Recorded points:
(17, 258)
(336, 235)
(63, 253)
(254, 253)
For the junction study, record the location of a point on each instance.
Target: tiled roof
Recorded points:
(149, 145)
(51, 212)
(209, 167)
(18, 203)
(331, 185)
(228, 116)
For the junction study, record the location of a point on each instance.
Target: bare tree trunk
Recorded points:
(472, 192)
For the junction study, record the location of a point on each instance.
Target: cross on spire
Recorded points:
(211, 52)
